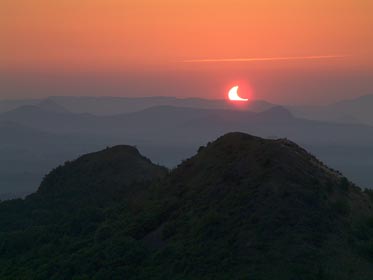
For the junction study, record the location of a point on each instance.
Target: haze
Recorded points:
(186, 139)
(137, 48)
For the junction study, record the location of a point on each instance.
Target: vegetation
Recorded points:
(241, 208)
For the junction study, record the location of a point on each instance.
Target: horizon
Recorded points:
(187, 139)
(290, 53)
(42, 98)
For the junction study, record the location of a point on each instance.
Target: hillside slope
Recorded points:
(242, 208)
(263, 209)
(105, 174)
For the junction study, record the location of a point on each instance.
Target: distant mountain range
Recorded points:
(357, 110)
(118, 105)
(36, 137)
(190, 124)
(241, 207)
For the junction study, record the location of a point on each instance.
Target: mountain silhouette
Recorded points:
(27, 154)
(356, 110)
(277, 113)
(166, 122)
(119, 105)
(11, 104)
(160, 129)
(49, 105)
(116, 169)
(242, 207)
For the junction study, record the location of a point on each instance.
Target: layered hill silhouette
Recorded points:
(356, 110)
(105, 106)
(27, 154)
(167, 134)
(179, 122)
(101, 176)
(242, 208)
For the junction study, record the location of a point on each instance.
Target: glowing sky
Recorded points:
(136, 35)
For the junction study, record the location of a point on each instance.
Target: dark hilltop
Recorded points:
(242, 208)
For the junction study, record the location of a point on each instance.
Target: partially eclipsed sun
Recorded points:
(233, 95)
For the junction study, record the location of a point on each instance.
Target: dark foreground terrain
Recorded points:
(241, 208)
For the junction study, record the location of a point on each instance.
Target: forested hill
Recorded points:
(101, 177)
(242, 208)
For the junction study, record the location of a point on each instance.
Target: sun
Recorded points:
(233, 95)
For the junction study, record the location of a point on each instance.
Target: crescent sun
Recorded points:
(233, 95)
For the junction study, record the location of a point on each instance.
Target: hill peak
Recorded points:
(240, 155)
(103, 174)
(51, 106)
(278, 112)
(243, 206)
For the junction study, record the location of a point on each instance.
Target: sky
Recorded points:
(290, 51)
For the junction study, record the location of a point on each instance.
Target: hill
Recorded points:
(119, 105)
(49, 105)
(242, 208)
(167, 134)
(359, 108)
(99, 177)
(162, 123)
(11, 104)
(27, 154)
(265, 209)
(356, 110)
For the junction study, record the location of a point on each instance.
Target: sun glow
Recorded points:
(233, 95)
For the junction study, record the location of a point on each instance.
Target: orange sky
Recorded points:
(140, 47)
(129, 34)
